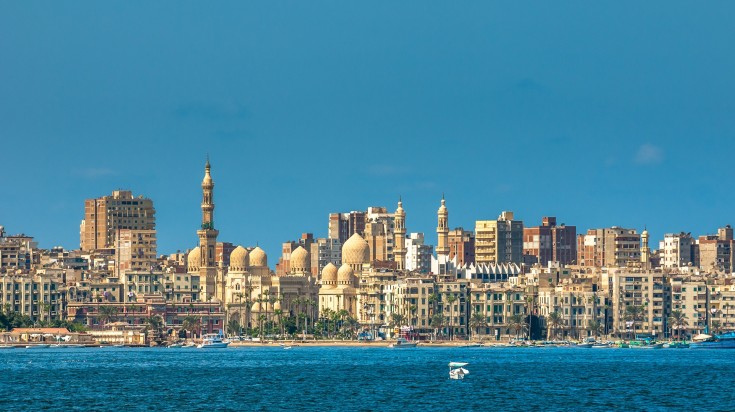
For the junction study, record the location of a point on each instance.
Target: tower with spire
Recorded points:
(208, 237)
(399, 236)
(645, 250)
(442, 232)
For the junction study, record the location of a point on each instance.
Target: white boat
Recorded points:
(286, 347)
(472, 345)
(213, 341)
(40, 346)
(175, 345)
(457, 370)
(403, 343)
(6, 347)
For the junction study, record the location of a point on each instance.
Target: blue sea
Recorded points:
(366, 379)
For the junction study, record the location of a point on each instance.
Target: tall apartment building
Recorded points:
(715, 252)
(551, 243)
(105, 215)
(324, 251)
(462, 245)
(499, 241)
(134, 250)
(677, 250)
(343, 225)
(611, 247)
(17, 252)
(418, 253)
(379, 234)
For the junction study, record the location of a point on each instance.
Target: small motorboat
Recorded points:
(287, 347)
(402, 343)
(213, 341)
(175, 345)
(457, 370)
(40, 346)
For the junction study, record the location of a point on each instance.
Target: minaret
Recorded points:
(399, 236)
(442, 232)
(207, 238)
(645, 250)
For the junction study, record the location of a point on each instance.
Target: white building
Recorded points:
(418, 254)
(676, 250)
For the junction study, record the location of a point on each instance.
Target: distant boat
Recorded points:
(40, 346)
(472, 345)
(6, 347)
(402, 343)
(457, 370)
(213, 341)
(286, 347)
(724, 341)
(175, 345)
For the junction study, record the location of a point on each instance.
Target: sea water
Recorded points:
(366, 379)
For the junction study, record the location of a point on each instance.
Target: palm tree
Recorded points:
(517, 323)
(191, 324)
(107, 313)
(279, 314)
(233, 327)
(634, 314)
(437, 322)
(678, 321)
(552, 323)
(478, 321)
(716, 327)
(450, 300)
(154, 323)
(595, 327)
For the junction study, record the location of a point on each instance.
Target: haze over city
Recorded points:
(612, 115)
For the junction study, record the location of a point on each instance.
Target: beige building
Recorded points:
(135, 250)
(41, 297)
(609, 247)
(105, 215)
(676, 250)
(499, 241)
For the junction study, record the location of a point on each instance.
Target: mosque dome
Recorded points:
(239, 259)
(345, 275)
(443, 207)
(329, 275)
(399, 210)
(300, 261)
(258, 258)
(192, 261)
(355, 250)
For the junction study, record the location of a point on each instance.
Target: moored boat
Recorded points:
(213, 341)
(402, 343)
(38, 346)
(457, 370)
(724, 341)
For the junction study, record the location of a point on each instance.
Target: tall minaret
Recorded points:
(208, 238)
(645, 250)
(442, 232)
(399, 236)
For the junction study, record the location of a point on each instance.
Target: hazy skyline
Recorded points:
(613, 114)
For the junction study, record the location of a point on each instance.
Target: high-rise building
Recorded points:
(499, 241)
(677, 250)
(550, 243)
(323, 252)
(135, 250)
(715, 252)
(105, 215)
(379, 227)
(343, 225)
(418, 253)
(610, 247)
(462, 245)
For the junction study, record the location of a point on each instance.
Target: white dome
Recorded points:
(192, 261)
(329, 275)
(345, 275)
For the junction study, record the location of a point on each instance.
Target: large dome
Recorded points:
(355, 250)
(239, 259)
(258, 258)
(192, 261)
(300, 261)
(345, 275)
(329, 275)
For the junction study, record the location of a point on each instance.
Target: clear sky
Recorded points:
(600, 114)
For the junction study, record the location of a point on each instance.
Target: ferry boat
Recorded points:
(402, 343)
(213, 341)
(724, 341)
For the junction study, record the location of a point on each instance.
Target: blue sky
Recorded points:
(599, 114)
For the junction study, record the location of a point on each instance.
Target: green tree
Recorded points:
(678, 321)
(437, 322)
(233, 327)
(191, 324)
(517, 323)
(450, 301)
(553, 321)
(634, 314)
(477, 321)
(595, 327)
(107, 313)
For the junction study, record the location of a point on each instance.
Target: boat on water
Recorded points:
(40, 346)
(601, 345)
(676, 345)
(457, 370)
(213, 341)
(189, 345)
(6, 347)
(472, 345)
(175, 345)
(68, 345)
(724, 341)
(403, 343)
(287, 347)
